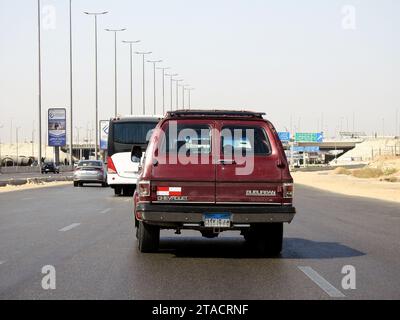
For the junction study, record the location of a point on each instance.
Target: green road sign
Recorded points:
(309, 137)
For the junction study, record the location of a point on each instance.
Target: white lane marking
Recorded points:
(106, 210)
(67, 228)
(2, 262)
(127, 200)
(26, 199)
(321, 282)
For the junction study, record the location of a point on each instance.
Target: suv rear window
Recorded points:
(245, 140)
(190, 138)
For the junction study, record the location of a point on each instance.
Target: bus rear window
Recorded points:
(132, 132)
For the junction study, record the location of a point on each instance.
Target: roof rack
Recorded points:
(215, 113)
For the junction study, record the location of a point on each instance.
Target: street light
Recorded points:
(171, 76)
(131, 43)
(177, 84)
(78, 129)
(144, 90)
(183, 94)
(1, 127)
(154, 62)
(189, 90)
(95, 14)
(16, 137)
(163, 88)
(71, 89)
(39, 84)
(115, 68)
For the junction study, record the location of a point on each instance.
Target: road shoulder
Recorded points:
(348, 185)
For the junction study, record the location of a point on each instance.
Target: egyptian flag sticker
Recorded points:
(169, 191)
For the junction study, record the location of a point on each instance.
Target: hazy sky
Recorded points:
(288, 58)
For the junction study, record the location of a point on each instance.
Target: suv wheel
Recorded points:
(266, 238)
(75, 183)
(148, 237)
(117, 191)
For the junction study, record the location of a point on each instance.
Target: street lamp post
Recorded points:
(95, 14)
(115, 68)
(70, 87)
(131, 43)
(16, 137)
(1, 127)
(154, 62)
(171, 76)
(78, 129)
(183, 94)
(163, 87)
(144, 80)
(177, 84)
(189, 90)
(39, 85)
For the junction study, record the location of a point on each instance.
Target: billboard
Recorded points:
(57, 127)
(104, 125)
(309, 137)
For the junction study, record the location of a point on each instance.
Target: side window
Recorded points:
(245, 140)
(190, 139)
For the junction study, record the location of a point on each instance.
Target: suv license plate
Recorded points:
(217, 220)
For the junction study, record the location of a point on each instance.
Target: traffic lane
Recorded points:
(30, 230)
(98, 259)
(191, 267)
(365, 231)
(113, 269)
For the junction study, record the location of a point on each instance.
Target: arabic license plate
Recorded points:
(217, 220)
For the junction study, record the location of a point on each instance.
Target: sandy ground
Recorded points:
(348, 185)
(33, 186)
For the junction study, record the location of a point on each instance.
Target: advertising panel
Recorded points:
(57, 127)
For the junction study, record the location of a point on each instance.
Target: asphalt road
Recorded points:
(87, 234)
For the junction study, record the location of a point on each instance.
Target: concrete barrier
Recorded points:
(20, 182)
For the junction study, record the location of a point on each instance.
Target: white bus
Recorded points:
(127, 136)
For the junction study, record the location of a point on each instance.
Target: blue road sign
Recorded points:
(309, 149)
(284, 136)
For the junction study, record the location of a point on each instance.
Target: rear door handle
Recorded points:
(225, 162)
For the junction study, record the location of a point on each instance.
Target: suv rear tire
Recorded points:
(148, 237)
(117, 191)
(266, 239)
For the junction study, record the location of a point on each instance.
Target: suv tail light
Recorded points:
(144, 189)
(288, 190)
(110, 166)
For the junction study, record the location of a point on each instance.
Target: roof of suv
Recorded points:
(215, 114)
(136, 118)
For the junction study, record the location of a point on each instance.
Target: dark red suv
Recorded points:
(214, 171)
